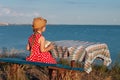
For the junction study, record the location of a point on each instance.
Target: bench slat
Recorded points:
(23, 61)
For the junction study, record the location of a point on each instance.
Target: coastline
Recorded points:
(8, 24)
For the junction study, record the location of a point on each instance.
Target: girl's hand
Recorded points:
(52, 46)
(42, 45)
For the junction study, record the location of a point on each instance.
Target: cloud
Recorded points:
(4, 11)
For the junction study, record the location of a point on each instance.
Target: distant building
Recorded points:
(3, 23)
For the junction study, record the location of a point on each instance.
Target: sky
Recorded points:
(98, 12)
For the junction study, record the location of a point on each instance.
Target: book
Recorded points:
(47, 43)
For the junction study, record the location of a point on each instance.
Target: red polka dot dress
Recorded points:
(36, 54)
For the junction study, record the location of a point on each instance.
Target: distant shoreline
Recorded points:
(62, 24)
(4, 23)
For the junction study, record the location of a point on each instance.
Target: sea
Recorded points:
(15, 36)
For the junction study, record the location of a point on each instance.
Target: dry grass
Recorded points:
(9, 71)
(23, 72)
(30, 72)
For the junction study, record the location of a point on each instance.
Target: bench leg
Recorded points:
(53, 74)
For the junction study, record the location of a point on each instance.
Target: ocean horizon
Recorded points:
(9, 24)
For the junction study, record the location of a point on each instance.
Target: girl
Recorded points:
(36, 43)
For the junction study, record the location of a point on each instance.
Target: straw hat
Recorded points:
(39, 23)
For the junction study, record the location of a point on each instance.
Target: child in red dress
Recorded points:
(36, 43)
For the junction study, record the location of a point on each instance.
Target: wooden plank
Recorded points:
(56, 68)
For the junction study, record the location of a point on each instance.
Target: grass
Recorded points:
(9, 71)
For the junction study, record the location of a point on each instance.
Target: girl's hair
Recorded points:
(35, 31)
(38, 23)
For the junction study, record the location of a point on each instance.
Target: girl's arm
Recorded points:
(42, 45)
(28, 47)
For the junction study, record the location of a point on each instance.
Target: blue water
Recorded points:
(16, 36)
